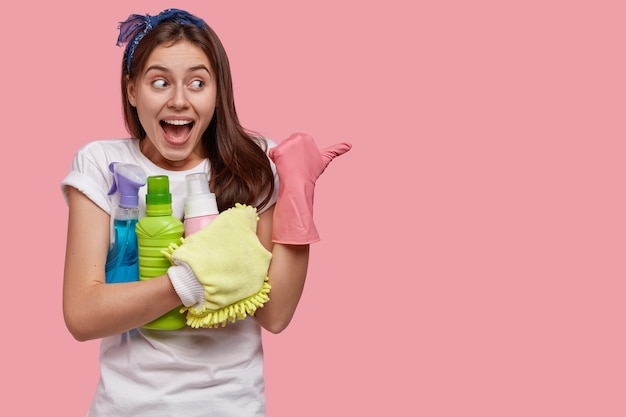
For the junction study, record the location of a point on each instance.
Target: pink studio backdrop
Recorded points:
(473, 241)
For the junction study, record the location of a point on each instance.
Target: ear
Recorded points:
(130, 92)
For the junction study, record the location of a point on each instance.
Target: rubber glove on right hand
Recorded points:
(299, 163)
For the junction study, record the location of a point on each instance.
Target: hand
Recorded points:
(299, 163)
(228, 260)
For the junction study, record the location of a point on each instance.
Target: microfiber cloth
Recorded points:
(231, 263)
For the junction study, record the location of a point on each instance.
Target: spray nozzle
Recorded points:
(127, 178)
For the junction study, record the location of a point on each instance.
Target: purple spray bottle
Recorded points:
(122, 259)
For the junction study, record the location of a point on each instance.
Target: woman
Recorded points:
(179, 109)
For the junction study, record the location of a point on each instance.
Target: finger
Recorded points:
(331, 152)
(272, 154)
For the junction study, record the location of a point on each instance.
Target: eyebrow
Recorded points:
(164, 69)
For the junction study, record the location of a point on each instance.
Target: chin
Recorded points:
(181, 160)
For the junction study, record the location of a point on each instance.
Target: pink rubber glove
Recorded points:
(299, 163)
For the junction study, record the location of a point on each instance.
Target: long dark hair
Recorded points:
(240, 169)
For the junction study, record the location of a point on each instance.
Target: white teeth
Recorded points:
(177, 122)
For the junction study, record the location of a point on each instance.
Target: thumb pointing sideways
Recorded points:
(331, 152)
(300, 148)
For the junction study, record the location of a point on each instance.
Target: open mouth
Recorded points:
(177, 131)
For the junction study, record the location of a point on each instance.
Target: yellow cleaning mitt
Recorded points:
(231, 263)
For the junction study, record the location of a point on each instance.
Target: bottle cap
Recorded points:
(127, 179)
(158, 190)
(199, 200)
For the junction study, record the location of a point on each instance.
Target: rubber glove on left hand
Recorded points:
(230, 262)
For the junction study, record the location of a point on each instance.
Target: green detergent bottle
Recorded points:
(155, 231)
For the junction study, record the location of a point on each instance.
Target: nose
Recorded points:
(178, 98)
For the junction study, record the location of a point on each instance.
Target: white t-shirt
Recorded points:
(187, 372)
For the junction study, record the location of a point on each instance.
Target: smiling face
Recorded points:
(175, 98)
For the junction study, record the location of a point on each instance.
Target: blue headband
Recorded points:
(136, 27)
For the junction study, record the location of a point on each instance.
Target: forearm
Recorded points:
(102, 310)
(287, 273)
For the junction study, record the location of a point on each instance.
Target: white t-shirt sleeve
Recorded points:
(270, 145)
(89, 175)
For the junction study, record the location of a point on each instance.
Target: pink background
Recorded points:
(473, 240)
